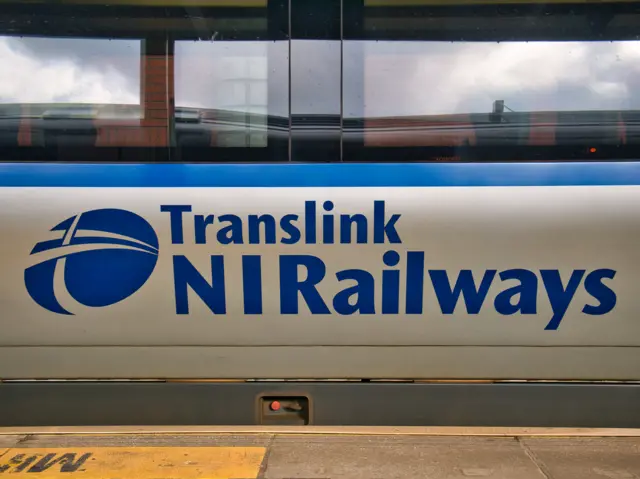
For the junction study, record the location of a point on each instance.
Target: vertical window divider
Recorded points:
(341, 81)
(290, 132)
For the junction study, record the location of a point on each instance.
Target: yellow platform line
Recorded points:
(324, 431)
(133, 462)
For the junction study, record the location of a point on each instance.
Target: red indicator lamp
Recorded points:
(275, 406)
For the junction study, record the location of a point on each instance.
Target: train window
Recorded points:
(316, 79)
(149, 80)
(228, 102)
(315, 100)
(426, 80)
(69, 71)
(232, 85)
(319, 80)
(66, 91)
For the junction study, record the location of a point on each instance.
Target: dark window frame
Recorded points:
(341, 20)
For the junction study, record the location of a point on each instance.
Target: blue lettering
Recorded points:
(252, 284)
(391, 284)
(383, 228)
(286, 223)
(345, 228)
(269, 223)
(185, 275)
(559, 297)
(231, 233)
(290, 285)
(310, 222)
(527, 292)
(601, 292)
(415, 282)
(175, 216)
(200, 224)
(363, 290)
(327, 224)
(473, 298)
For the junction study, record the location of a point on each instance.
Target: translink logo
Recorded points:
(100, 257)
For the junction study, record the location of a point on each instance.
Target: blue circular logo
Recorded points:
(102, 256)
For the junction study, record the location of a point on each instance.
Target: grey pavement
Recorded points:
(304, 456)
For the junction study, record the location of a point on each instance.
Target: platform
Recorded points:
(337, 454)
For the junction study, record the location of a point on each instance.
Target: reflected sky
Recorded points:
(46, 70)
(224, 75)
(441, 78)
(390, 78)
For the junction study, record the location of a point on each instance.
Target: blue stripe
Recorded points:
(318, 175)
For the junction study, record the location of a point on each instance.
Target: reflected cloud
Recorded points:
(388, 78)
(223, 75)
(404, 78)
(46, 70)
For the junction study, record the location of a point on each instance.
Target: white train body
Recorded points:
(457, 271)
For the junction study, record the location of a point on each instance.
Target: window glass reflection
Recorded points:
(68, 70)
(153, 82)
(227, 85)
(430, 78)
(315, 100)
(69, 92)
(451, 94)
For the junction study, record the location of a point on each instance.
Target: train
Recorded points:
(395, 256)
(337, 270)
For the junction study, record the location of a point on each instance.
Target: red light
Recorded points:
(275, 406)
(592, 150)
